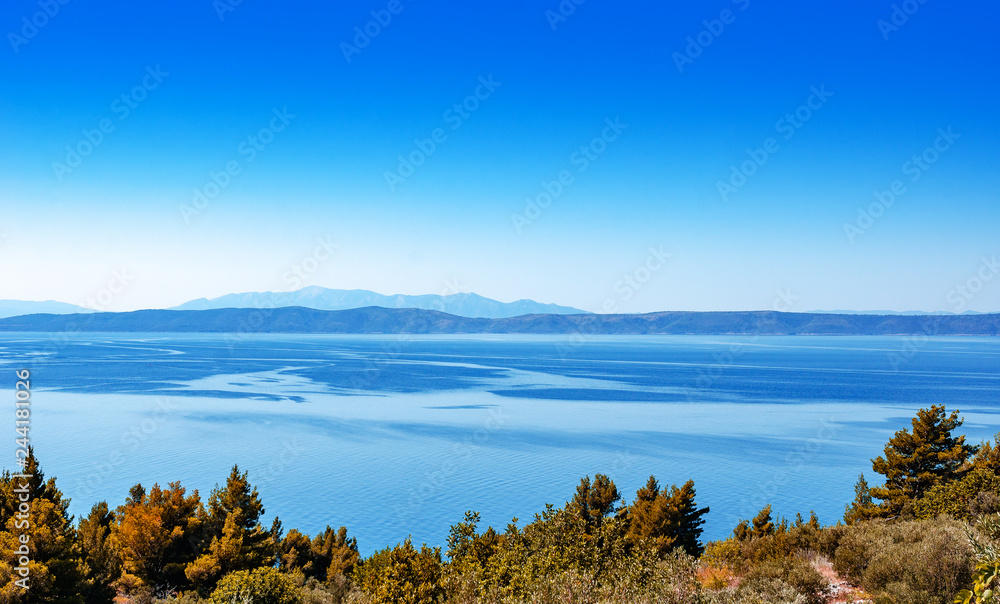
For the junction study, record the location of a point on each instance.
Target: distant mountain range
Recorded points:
(462, 305)
(321, 298)
(378, 320)
(13, 308)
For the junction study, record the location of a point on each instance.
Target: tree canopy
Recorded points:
(917, 459)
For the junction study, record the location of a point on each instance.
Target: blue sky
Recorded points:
(750, 141)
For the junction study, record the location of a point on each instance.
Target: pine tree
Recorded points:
(263, 585)
(468, 550)
(686, 518)
(140, 539)
(812, 523)
(238, 541)
(276, 534)
(334, 553)
(988, 456)
(918, 460)
(155, 535)
(101, 565)
(862, 508)
(295, 553)
(667, 519)
(54, 567)
(594, 501)
(238, 494)
(762, 525)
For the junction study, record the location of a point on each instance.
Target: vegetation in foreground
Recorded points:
(929, 534)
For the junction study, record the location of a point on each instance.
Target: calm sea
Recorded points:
(400, 435)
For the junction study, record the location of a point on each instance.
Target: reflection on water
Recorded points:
(399, 435)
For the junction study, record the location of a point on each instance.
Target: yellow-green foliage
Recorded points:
(259, 586)
(985, 586)
(401, 575)
(556, 542)
(585, 546)
(328, 557)
(638, 579)
(976, 493)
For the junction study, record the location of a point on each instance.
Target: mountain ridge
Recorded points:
(14, 308)
(379, 320)
(321, 298)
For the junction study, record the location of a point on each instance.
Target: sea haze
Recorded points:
(400, 435)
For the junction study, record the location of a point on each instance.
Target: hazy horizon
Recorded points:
(93, 305)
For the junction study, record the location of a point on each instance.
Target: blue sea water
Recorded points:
(399, 435)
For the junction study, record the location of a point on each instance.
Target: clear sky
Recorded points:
(710, 154)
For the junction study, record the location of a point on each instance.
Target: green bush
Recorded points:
(772, 557)
(902, 593)
(906, 561)
(259, 586)
(794, 572)
(756, 591)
